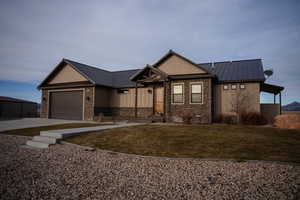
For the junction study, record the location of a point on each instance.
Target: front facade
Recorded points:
(171, 89)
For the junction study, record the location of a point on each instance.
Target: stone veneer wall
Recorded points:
(89, 104)
(44, 106)
(202, 113)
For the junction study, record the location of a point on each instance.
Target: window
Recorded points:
(177, 93)
(225, 87)
(196, 92)
(242, 86)
(233, 86)
(123, 91)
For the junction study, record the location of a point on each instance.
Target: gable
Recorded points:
(175, 65)
(67, 75)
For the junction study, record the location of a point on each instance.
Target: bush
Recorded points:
(291, 121)
(253, 118)
(187, 116)
(227, 119)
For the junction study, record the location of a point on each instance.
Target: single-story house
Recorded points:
(172, 87)
(16, 108)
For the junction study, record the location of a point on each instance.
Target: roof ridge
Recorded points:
(87, 65)
(126, 70)
(229, 61)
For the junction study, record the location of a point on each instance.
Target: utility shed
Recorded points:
(16, 108)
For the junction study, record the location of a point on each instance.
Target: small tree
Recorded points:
(239, 103)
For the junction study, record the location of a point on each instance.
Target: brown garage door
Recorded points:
(66, 105)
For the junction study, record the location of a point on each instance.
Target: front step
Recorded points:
(44, 139)
(37, 144)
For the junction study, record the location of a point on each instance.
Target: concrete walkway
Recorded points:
(47, 138)
(6, 125)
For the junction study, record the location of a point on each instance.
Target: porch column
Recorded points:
(280, 103)
(165, 100)
(136, 99)
(274, 98)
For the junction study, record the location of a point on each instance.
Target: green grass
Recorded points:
(36, 130)
(207, 141)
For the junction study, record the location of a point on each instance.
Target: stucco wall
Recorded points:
(223, 99)
(178, 66)
(67, 74)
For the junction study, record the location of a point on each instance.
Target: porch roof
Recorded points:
(274, 89)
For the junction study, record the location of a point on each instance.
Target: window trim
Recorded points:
(172, 93)
(233, 85)
(202, 89)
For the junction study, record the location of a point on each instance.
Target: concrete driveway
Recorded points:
(31, 122)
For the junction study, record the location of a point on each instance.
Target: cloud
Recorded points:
(116, 35)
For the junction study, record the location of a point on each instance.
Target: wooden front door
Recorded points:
(158, 100)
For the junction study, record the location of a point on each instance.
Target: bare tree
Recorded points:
(240, 102)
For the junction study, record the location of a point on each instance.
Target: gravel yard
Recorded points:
(70, 172)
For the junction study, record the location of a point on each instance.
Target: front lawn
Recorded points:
(205, 141)
(36, 130)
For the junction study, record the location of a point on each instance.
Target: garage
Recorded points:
(66, 105)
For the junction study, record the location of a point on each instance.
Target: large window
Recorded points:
(177, 93)
(196, 93)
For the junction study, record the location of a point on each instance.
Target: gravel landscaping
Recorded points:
(70, 172)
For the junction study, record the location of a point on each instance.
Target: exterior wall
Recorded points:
(201, 112)
(223, 99)
(269, 111)
(178, 66)
(66, 75)
(145, 99)
(88, 102)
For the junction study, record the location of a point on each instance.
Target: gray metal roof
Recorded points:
(241, 70)
(103, 77)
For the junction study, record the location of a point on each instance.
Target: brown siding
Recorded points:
(223, 99)
(66, 75)
(178, 66)
(102, 97)
(145, 99)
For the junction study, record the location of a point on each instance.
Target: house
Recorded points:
(16, 108)
(170, 88)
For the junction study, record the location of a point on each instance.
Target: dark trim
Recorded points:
(191, 76)
(67, 85)
(274, 89)
(241, 81)
(61, 64)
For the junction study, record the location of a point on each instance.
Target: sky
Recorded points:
(118, 35)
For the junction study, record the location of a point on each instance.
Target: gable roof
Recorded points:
(228, 71)
(171, 53)
(240, 70)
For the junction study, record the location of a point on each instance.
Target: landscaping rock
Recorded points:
(70, 172)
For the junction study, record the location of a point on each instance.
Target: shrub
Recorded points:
(291, 121)
(187, 116)
(227, 119)
(253, 118)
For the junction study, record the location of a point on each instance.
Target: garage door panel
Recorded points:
(66, 105)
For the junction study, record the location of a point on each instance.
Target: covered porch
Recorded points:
(270, 110)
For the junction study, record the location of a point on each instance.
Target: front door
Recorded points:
(158, 100)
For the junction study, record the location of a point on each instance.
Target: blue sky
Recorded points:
(117, 35)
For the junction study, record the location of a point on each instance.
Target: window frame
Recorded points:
(226, 86)
(202, 96)
(123, 91)
(243, 85)
(233, 85)
(172, 93)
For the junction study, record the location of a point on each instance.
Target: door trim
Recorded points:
(67, 90)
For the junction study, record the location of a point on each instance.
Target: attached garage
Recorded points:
(66, 105)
